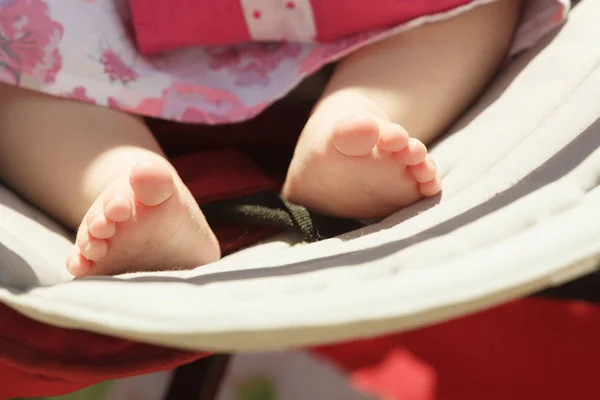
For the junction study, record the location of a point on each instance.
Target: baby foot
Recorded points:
(360, 167)
(146, 220)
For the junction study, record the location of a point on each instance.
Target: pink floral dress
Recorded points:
(114, 53)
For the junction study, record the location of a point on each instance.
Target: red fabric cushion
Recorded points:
(42, 360)
(529, 349)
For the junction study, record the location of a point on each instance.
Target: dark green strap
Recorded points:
(268, 209)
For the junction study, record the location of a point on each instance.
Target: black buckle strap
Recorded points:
(268, 209)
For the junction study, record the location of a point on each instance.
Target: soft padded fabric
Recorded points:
(519, 213)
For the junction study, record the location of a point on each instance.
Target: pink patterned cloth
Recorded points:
(86, 49)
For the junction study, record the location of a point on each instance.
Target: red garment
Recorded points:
(165, 25)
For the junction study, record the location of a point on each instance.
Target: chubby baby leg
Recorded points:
(361, 153)
(101, 172)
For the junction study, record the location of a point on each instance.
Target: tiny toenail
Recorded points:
(145, 164)
(71, 265)
(362, 117)
(112, 202)
(396, 126)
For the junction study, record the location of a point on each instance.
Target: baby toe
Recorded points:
(117, 207)
(355, 136)
(414, 153)
(100, 227)
(152, 183)
(95, 249)
(431, 188)
(424, 171)
(77, 264)
(91, 248)
(392, 138)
